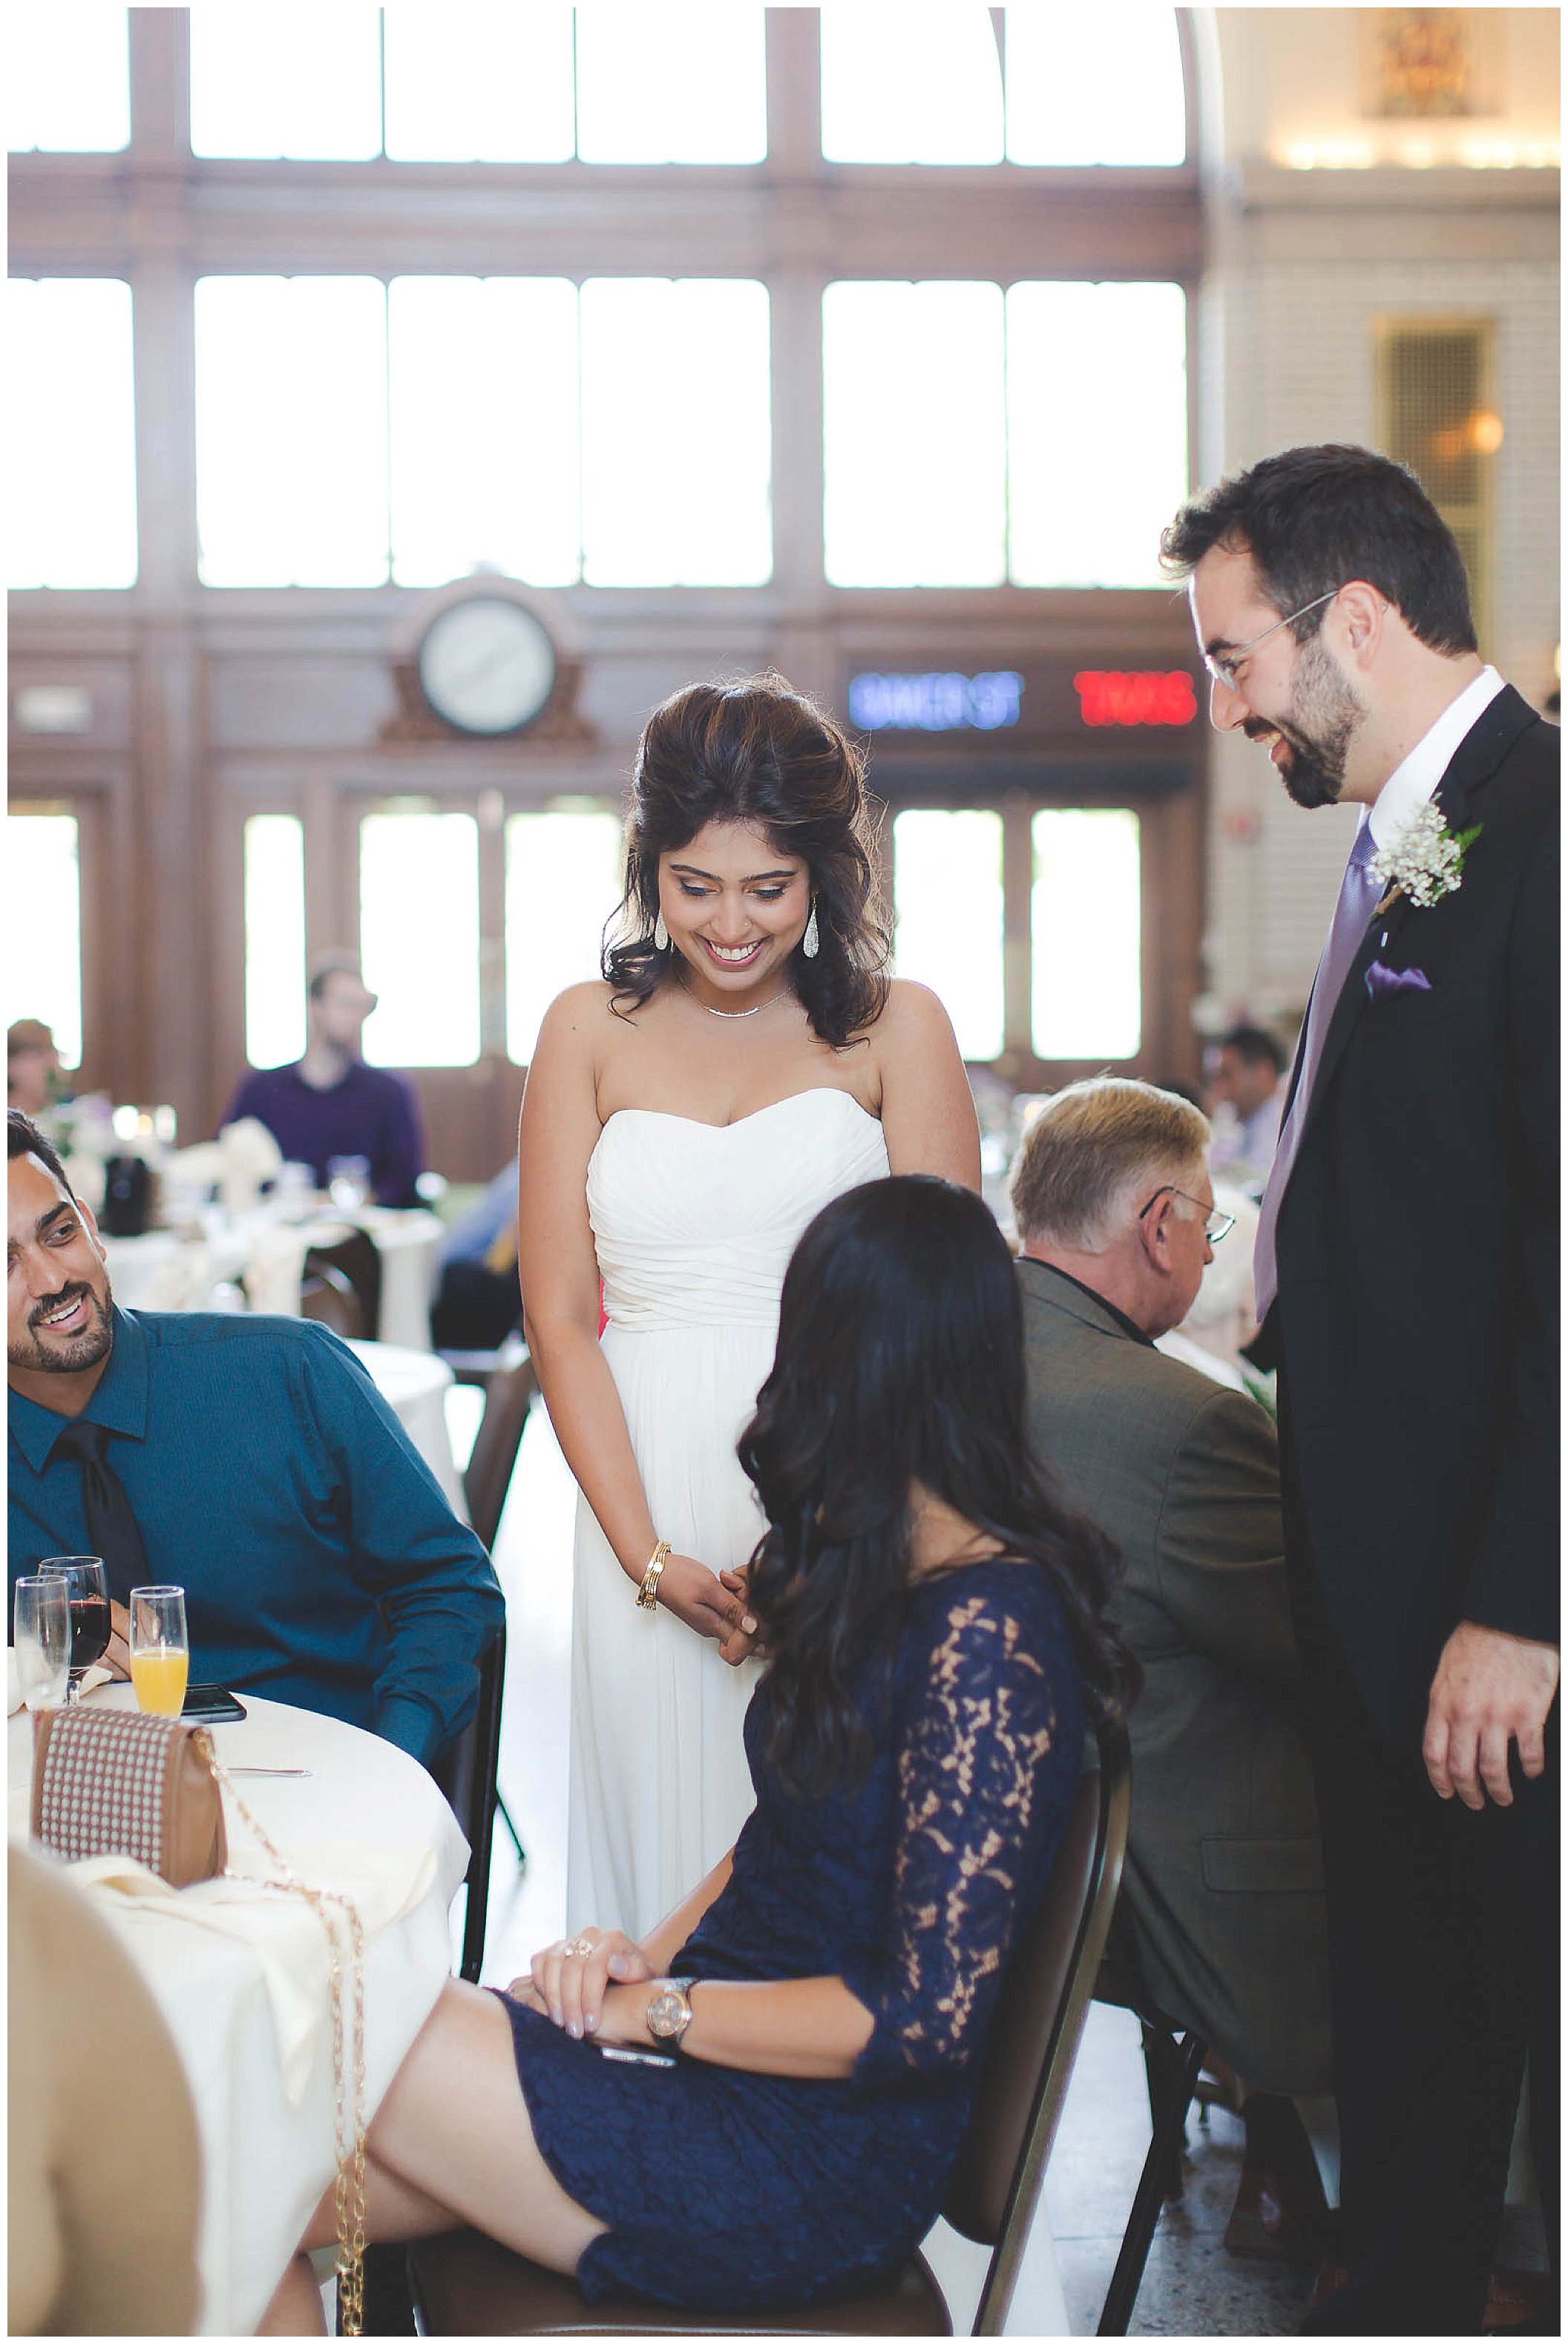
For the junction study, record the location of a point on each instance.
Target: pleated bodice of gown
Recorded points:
(693, 1225)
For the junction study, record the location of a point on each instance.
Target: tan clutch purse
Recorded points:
(112, 1782)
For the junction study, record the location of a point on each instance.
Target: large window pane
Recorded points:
(291, 431)
(44, 926)
(1095, 85)
(910, 85)
(71, 430)
(291, 79)
(274, 939)
(673, 84)
(418, 937)
(1086, 925)
(66, 87)
(484, 428)
(677, 432)
(1096, 431)
(915, 445)
(948, 916)
(562, 882)
(469, 83)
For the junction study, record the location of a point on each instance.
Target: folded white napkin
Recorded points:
(276, 1924)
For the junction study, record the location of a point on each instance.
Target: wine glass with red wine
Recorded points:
(87, 1586)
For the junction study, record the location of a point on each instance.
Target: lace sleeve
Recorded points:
(989, 1753)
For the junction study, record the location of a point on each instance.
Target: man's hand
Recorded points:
(1489, 1689)
(118, 1656)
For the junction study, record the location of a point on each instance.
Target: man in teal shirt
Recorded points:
(250, 1461)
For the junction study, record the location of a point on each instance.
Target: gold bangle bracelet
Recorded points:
(648, 1592)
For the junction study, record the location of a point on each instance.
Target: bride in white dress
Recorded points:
(745, 1060)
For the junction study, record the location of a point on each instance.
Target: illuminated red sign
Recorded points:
(1110, 696)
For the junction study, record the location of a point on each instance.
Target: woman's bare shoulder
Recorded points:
(911, 1015)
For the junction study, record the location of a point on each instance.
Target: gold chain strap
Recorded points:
(349, 2105)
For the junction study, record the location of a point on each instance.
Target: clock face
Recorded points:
(486, 665)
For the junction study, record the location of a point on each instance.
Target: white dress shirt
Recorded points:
(1412, 783)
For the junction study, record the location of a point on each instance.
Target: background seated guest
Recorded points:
(32, 1076)
(479, 1301)
(1245, 1092)
(1224, 1876)
(250, 1461)
(330, 1102)
(935, 1648)
(103, 2178)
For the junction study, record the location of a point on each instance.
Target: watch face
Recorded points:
(668, 2014)
(486, 665)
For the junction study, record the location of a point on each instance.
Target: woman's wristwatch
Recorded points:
(669, 2014)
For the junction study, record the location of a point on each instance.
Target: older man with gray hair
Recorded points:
(1116, 1219)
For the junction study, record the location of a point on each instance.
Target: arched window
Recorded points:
(1059, 88)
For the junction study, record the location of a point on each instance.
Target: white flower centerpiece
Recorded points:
(1425, 861)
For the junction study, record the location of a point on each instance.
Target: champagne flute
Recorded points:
(88, 1593)
(160, 1649)
(42, 1640)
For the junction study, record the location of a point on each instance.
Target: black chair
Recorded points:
(465, 2285)
(356, 1258)
(327, 1296)
(466, 1772)
(1172, 2057)
(509, 1396)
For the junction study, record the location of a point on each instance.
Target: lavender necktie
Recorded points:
(1360, 891)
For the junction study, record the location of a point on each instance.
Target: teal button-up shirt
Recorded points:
(321, 1563)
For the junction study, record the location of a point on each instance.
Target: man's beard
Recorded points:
(1314, 774)
(83, 1350)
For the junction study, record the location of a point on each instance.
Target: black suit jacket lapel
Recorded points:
(1475, 760)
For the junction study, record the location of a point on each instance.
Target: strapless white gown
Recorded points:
(693, 1225)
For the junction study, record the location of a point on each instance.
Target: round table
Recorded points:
(240, 1971)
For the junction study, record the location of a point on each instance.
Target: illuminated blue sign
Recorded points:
(936, 704)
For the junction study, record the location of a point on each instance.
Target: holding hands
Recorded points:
(712, 1605)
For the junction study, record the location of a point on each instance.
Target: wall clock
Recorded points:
(486, 666)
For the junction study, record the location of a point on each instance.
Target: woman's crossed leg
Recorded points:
(450, 2145)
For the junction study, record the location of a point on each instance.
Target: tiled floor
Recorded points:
(1193, 2286)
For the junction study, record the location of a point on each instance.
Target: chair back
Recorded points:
(466, 1773)
(1039, 2018)
(355, 1259)
(508, 1396)
(326, 1296)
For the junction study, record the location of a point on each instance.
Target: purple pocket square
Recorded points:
(1381, 979)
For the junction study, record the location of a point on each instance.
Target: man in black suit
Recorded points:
(1406, 1273)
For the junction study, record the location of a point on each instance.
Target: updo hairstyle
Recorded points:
(756, 752)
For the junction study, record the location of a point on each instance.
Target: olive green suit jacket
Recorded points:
(1224, 1873)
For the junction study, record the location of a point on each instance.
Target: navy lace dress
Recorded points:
(726, 2188)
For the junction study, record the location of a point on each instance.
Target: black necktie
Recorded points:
(111, 1525)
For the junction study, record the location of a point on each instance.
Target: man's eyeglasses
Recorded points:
(1225, 667)
(1216, 1225)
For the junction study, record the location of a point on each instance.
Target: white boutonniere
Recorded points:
(1425, 861)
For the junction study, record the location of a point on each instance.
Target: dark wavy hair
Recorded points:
(756, 752)
(900, 1359)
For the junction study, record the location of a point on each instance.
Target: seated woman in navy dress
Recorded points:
(930, 1615)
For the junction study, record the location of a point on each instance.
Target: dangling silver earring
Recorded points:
(660, 935)
(811, 943)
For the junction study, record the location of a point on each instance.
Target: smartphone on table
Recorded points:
(211, 1704)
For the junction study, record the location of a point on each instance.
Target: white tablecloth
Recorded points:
(415, 1384)
(247, 2002)
(169, 1271)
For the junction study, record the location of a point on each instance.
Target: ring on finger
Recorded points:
(579, 1946)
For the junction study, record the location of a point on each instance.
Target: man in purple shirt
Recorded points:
(330, 1103)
